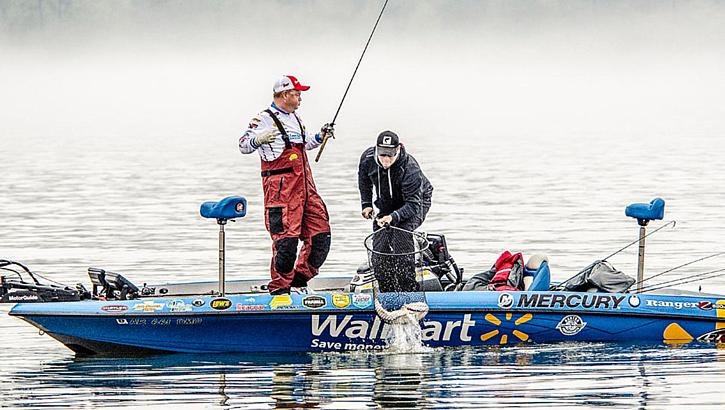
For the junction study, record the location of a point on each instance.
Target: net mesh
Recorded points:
(392, 254)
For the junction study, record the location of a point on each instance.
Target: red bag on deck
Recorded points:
(509, 272)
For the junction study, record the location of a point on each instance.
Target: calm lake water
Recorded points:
(131, 206)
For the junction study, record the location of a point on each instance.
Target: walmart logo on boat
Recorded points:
(344, 326)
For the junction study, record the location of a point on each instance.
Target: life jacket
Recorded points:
(509, 270)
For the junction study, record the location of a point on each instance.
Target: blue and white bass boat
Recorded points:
(119, 318)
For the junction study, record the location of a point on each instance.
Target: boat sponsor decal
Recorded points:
(346, 326)
(220, 304)
(314, 302)
(634, 301)
(716, 336)
(178, 305)
(248, 308)
(22, 298)
(341, 300)
(148, 306)
(281, 302)
(362, 300)
(705, 305)
(571, 325)
(503, 330)
(671, 304)
(250, 300)
(558, 300)
(114, 308)
(198, 302)
(505, 300)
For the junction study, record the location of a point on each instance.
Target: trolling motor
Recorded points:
(644, 213)
(18, 284)
(225, 210)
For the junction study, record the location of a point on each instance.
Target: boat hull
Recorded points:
(344, 322)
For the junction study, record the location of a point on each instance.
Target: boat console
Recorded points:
(111, 285)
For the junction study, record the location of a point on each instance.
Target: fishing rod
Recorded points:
(687, 279)
(327, 135)
(675, 268)
(561, 285)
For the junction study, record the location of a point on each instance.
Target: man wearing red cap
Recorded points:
(293, 209)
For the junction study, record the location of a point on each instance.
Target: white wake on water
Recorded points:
(405, 337)
(404, 334)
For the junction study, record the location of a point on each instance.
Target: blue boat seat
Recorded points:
(646, 212)
(228, 208)
(537, 268)
(542, 278)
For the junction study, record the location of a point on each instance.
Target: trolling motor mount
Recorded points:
(18, 284)
(644, 213)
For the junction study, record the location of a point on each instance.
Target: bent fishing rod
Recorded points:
(327, 135)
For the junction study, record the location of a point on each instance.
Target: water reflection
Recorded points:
(591, 375)
(398, 379)
(296, 388)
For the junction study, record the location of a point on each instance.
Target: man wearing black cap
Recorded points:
(403, 200)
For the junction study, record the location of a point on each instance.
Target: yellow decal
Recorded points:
(489, 335)
(720, 314)
(675, 334)
(148, 306)
(341, 300)
(492, 319)
(523, 319)
(504, 337)
(521, 335)
(293, 157)
(280, 301)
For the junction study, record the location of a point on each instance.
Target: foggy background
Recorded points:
(201, 69)
(536, 121)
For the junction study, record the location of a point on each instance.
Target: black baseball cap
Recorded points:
(388, 143)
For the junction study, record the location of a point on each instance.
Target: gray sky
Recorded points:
(490, 69)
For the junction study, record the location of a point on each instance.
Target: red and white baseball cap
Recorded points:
(289, 82)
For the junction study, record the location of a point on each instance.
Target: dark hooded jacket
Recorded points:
(403, 191)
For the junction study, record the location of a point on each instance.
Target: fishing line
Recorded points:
(324, 141)
(687, 279)
(562, 284)
(675, 268)
(673, 223)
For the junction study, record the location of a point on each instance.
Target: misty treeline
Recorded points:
(29, 15)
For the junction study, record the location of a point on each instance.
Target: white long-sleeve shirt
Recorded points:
(262, 122)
